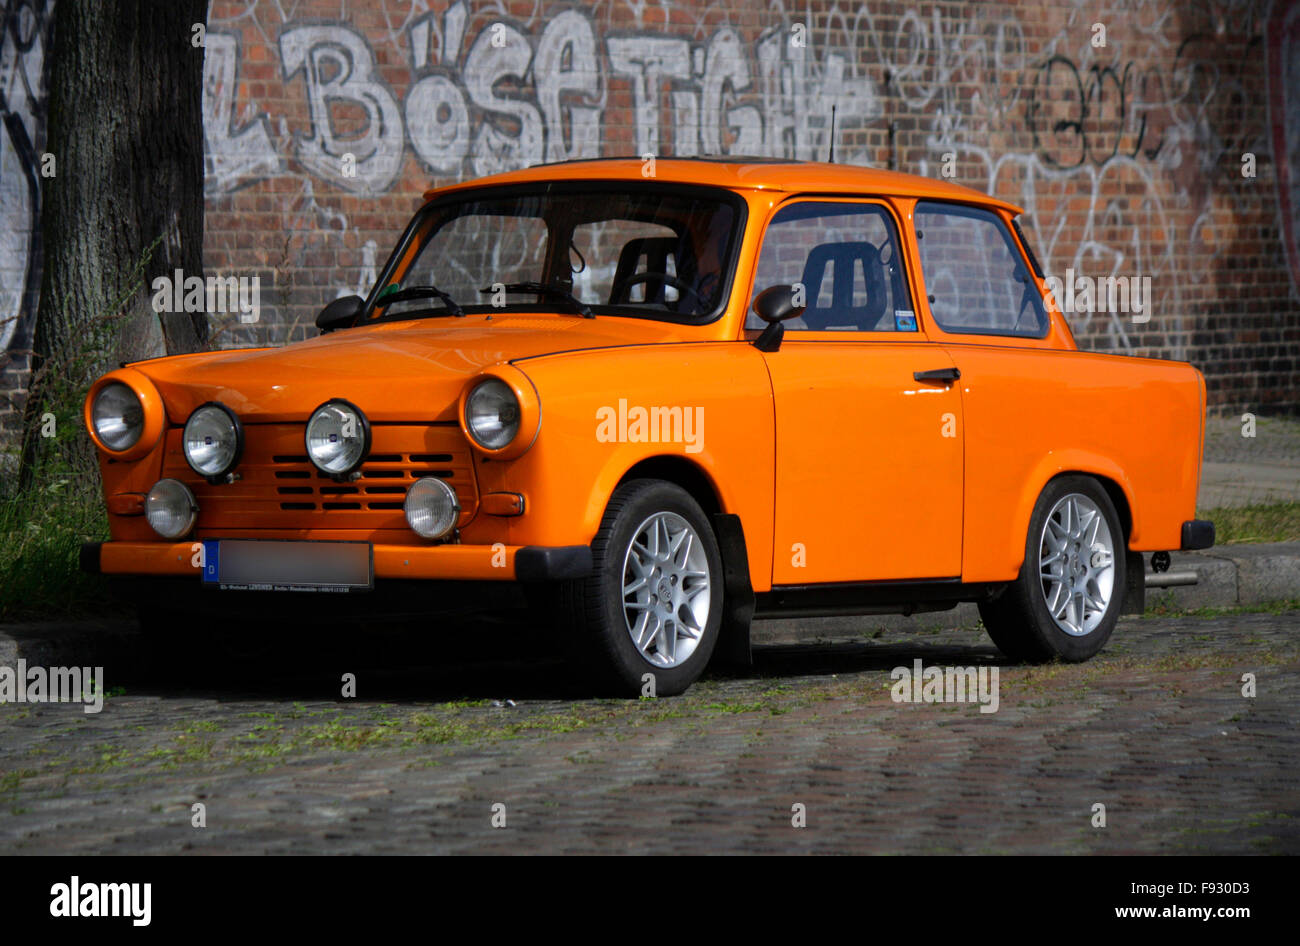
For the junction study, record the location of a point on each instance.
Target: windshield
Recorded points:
(629, 249)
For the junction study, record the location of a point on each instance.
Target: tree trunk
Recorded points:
(125, 129)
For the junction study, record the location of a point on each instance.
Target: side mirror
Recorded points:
(774, 305)
(341, 313)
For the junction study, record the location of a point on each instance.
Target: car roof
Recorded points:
(744, 173)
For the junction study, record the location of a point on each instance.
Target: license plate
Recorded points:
(266, 565)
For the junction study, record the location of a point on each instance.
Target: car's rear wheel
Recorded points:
(653, 604)
(1068, 597)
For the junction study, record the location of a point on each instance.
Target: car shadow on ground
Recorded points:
(497, 657)
(846, 657)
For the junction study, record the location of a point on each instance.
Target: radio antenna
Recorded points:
(830, 155)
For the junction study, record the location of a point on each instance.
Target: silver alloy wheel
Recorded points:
(1076, 564)
(666, 593)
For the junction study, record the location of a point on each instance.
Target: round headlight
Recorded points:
(432, 507)
(118, 416)
(213, 440)
(170, 508)
(338, 438)
(492, 414)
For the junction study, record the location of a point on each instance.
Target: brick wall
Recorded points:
(1144, 138)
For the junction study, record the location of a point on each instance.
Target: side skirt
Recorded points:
(871, 597)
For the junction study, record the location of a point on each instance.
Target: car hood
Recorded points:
(396, 371)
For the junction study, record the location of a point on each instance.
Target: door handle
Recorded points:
(946, 375)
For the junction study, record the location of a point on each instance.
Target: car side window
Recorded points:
(976, 280)
(845, 258)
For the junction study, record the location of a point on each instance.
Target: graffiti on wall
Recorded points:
(1109, 125)
(509, 97)
(506, 94)
(22, 109)
(232, 151)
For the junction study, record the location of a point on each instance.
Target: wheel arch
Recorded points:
(733, 649)
(1109, 476)
(1119, 499)
(681, 472)
(1117, 494)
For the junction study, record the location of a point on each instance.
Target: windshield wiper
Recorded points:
(552, 290)
(410, 293)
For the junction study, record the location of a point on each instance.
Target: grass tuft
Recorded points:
(1276, 522)
(41, 531)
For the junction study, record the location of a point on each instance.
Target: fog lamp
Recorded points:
(171, 508)
(432, 507)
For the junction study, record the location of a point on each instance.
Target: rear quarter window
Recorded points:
(976, 280)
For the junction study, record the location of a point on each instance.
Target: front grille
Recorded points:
(278, 487)
(383, 483)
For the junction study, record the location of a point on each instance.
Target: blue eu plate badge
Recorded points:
(211, 560)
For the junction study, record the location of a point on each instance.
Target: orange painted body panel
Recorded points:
(1030, 415)
(399, 371)
(870, 489)
(778, 178)
(569, 474)
(828, 444)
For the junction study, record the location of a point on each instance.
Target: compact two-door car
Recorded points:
(664, 399)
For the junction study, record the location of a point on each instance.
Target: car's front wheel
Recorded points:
(1068, 597)
(648, 617)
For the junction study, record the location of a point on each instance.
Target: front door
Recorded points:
(868, 456)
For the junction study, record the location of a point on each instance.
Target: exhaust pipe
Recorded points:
(1172, 579)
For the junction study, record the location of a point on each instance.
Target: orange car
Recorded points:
(665, 398)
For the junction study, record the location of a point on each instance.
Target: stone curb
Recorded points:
(1234, 575)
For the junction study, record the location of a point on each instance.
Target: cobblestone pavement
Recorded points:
(1156, 729)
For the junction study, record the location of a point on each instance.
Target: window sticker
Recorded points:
(904, 320)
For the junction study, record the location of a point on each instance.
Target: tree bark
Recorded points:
(125, 128)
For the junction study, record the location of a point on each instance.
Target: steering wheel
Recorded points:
(618, 295)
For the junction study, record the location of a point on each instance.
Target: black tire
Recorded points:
(591, 610)
(1020, 622)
